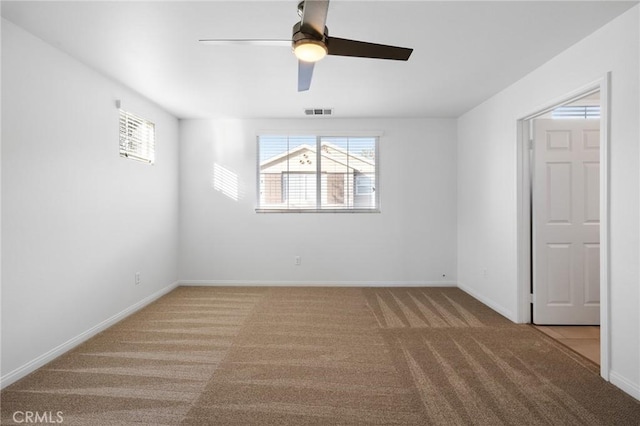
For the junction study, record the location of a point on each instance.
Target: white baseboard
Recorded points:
(254, 283)
(43, 359)
(625, 384)
(490, 303)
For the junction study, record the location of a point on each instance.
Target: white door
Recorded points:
(566, 222)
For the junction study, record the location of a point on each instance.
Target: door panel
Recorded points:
(591, 173)
(591, 138)
(592, 274)
(558, 274)
(566, 220)
(558, 186)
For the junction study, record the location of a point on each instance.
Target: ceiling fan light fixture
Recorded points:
(310, 50)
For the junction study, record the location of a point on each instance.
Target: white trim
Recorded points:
(523, 290)
(625, 384)
(605, 224)
(524, 221)
(490, 303)
(575, 95)
(49, 356)
(286, 283)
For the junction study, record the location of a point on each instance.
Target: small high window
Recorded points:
(137, 137)
(576, 111)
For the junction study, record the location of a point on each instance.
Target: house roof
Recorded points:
(328, 151)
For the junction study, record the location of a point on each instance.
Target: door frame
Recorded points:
(524, 294)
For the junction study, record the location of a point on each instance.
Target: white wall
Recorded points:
(412, 241)
(487, 165)
(77, 220)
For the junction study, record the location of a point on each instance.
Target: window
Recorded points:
(582, 111)
(137, 137)
(317, 173)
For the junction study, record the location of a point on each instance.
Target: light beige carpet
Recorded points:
(325, 356)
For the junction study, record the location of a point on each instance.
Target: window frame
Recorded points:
(319, 136)
(149, 146)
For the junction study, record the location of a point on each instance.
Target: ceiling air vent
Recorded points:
(318, 111)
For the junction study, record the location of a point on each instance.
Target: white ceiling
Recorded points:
(464, 52)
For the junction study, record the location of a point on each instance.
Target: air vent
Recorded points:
(318, 111)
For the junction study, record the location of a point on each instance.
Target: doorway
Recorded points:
(565, 213)
(562, 214)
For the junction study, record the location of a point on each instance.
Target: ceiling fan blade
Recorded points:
(362, 49)
(247, 42)
(314, 16)
(305, 72)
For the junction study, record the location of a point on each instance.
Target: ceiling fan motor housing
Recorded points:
(301, 37)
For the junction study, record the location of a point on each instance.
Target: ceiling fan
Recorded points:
(311, 42)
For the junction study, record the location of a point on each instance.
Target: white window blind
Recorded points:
(137, 137)
(317, 173)
(577, 111)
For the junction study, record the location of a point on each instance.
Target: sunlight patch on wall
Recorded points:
(227, 182)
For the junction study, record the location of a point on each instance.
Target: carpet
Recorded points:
(318, 356)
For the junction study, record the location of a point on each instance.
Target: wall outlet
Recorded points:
(298, 260)
(137, 278)
(485, 273)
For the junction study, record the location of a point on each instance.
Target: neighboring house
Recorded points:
(347, 180)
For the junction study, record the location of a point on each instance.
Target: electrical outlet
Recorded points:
(298, 260)
(485, 273)
(137, 278)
